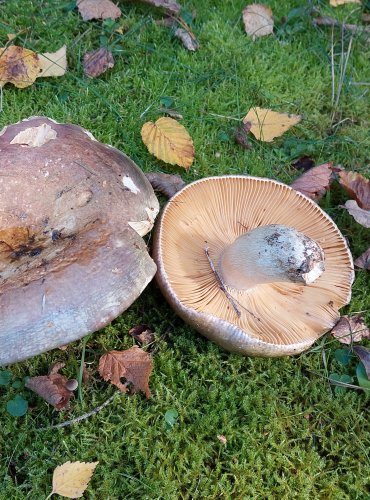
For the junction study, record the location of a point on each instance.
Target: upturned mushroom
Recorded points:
(252, 264)
(72, 215)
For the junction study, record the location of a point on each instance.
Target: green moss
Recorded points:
(288, 434)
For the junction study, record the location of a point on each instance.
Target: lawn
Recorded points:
(289, 433)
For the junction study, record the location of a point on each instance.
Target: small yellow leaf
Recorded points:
(169, 141)
(71, 479)
(53, 63)
(18, 66)
(267, 124)
(335, 3)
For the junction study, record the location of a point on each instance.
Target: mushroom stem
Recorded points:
(269, 254)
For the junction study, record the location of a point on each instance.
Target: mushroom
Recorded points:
(72, 215)
(252, 264)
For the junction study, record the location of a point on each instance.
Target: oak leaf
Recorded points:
(363, 261)
(266, 124)
(351, 329)
(359, 214)
(134, 364)
(169, 141)
(96, 62)
(357, 186)
(72, 478)
(258, 20)
(98, 9)
(315, 182)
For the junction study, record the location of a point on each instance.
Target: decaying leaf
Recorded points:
(134, 364)
(172, 113)
(357, 186)
(336, 3)
(315, 182)
(55, 388)
(98, 9)
(167, 184)
(169, 141)
(21, 66)
(364, 260)
(142, 333)
(71, 479)
(96, 62)
(258, 20)
(267, 124)
(189, 42)
(169, 5)
(360, 215)
(364, 354)
(241, 132)
(304, 163)
(351, 329)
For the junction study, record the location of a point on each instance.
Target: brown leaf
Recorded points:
(142, 333)
(258, 20)
(134, 364)
(167, 184)
(18, 66)
(304, 163)
(170, 5)
(364, 260)
(241, 135)
(357, 186)
(361, 216)
(96, 62)
(98, 9)
(364, 354)
(72, 478)
(315, 182)
(351, 329)
(189, 41)
(53, 387)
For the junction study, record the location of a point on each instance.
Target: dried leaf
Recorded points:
(189, 41)
(222, 439)
(361, 216)
(53, 63)
(351, 329)
(169, 141)
(142, 333)
(258, 20)
(18, 66)
(357, 186)
(54, 388)
(315, 182)
(364, 354)
(134, 364)
(241, 135)
(96, 62)
(71, 479)
(170, 5)
(166, 184)
(364, 260)
(98, 9)
(304, 163)
(336, 3)
(171, 112)
(267, 124)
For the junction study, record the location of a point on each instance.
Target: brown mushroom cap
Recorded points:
(276, 318)
(72, 215)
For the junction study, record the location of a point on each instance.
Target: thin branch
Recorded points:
(337, 382)
(329, 21)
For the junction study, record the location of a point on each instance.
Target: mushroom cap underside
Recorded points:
(72, 215)
(275, 318)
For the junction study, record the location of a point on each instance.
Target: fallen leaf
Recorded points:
(364, 354)
(96, 62)
(336, 3)
(351, 329)
(361, 216)
(258, 20)
(134, 364)
(53, 63)
(98, 9)
(189, 42)
(169, 141)
(304, 163)
(357, 186)
(170, 5)
(364, 260)
(241, 135)
(171, 112)
(267, 124)
(54, 387)
(71, 479)
(11, 36)
(142, 333)
(222, 439)
(315, 182)
(167, 184)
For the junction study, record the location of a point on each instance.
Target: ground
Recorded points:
(289, 434)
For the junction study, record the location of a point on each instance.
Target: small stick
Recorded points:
(329, 21)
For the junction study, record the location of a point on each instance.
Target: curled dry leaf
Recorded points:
(357, 186)
(134, 364)
(54, 388)
(169, 141)
(351, 329)
(241, 135)
(189, 41)
(266, 124)
(171, 112)
(167, 184)
(315, 182)
(98, 9)
(336, 3)
(304, 163)
(360, 215)
(364, 354)
(364, 260)
(258, 20)
(142, 333)
(96, 62)
(72, 478)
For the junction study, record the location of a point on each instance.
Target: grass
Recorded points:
(289, 435)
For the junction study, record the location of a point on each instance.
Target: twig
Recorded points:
(337, 382)
(329, 21)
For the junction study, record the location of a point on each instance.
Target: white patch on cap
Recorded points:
(89, 134)
(129, 184)
(143, 227)
(35, 137)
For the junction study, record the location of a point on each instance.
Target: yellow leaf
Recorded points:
(71, 479)
(335, 3)
(267, 124)
(169, 141)
(53, 63)
(18, 66)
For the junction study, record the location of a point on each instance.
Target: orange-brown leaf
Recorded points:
(134, 364)
(96, 62)
(18, 66)
(315, 182)
(357, 186)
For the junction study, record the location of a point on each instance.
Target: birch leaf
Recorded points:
(53, 63)
(169, 141)
(71, 479)
(267, 124)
